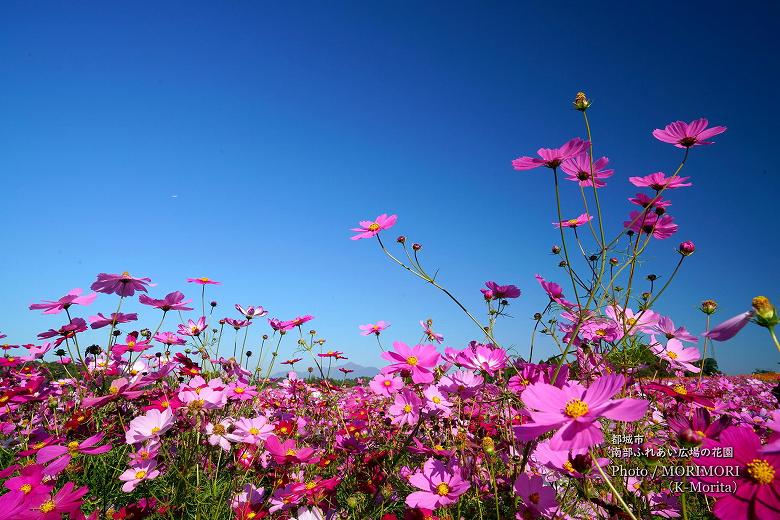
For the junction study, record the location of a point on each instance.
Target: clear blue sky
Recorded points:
(277, 126)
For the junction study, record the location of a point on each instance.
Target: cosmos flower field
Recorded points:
(176, 413)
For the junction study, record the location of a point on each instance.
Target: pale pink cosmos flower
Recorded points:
(574, 411)
(252, 311)
(666, 327)
(436, 402)
(578, 169)
(55, 307)
(686, 135)
(659, 181)
(477, 356)
(239, 391)
(552, 157)
(676, 354)
(601, 329)
(373, 328)
(169, 338)
(254, 430)
(369, 228)
(574, 222)
(121, 284)
(463, 383)
(418, 361)
(192, 328)
(440, 484)
(134, 476)
(729, 328)
(385, 385)
(149, 426)
(217, 434)
(429, 333)
(643, 321)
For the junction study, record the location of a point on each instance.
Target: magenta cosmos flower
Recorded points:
(72, 298)
(61, 455)
(373, 328)
(203, 281)
(172, 302)
(385, 385)
(538, 499)
(169, 338)
(574, 222)
(660, 227)
(578, 170)
(574, 411)
(121, 284)
(441, 485)
(65, 332)
(758, 485)
(659, 181)
(554, 291)
(686, 135)
(501, 291)
(371, 228)
(66, 500)
(552, 157)
(726, 330)
(287, 453)
(100, 321)
(418, 361)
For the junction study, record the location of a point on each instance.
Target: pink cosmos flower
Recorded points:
(131, 344)
(286, 452)
(552, 157)
(100, 321)
(239, 391)
(640, 199)
(149, 426)
(678, 356)
(72, 298)
(436, 402)
(693, 430)
(369, 229)
(203, 281)
(172, 302)
(643, 321)
(281, 326)
(503, 291)
(120, 388)
(574, 222)
(61, 455)
(169, 338)
(252, 311)
(758, 484)
(686, 135)
(300, 320)
(418, 361)
(661, 227)
(373, 328)
(463, 383)
(666, 327)
(385, 385)
(440, 484)
(65, 332)
(121, 284)
(405, 409)
(65, 501)
(600, 329)
(429, 333)
(477, 356)
(574, 411)
(192, 328)
(29, 482)
(554, 291)
(658, 181)
(134, 476)
(578, 170)
(538, 500)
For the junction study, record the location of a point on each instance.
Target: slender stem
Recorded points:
(612, 488)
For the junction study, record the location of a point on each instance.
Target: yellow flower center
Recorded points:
(311, 485)
(251, 515)
(203, 279)
(113, 390)
(388, 382)
(443, 489)
(601, 333)
(197, 404)
(254, 431)
(373, 227)
(125, 274)
(568, 466)
(238, 390)
(680, 389)
(672, 355)
(290, 452)
(11, 359)
(131, 343)
(438, 447)
(572, 222)
(576, 408)
(631, 322)
(534, 498)
(761, 471)
(218, 429)
(411, 360)
(47, 507)
(700, 433)
(165, 404)
(26, 488)
(140, 474)
(73, 447)
(408, 408)
(284, 429)
(436, 399)
(155, 429)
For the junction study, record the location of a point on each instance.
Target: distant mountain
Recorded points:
(335, 373)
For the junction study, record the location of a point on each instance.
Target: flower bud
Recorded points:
(556, 250)
(562, 263)
(708, 306)
(416, 247)
(686, 248)
(652, 277)
(613, 261)
(581, 102)
(538, 316)
(488, 446)
(213, 303)
(401, 239)
(764, 308)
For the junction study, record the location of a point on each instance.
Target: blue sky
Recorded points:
(242, 140)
